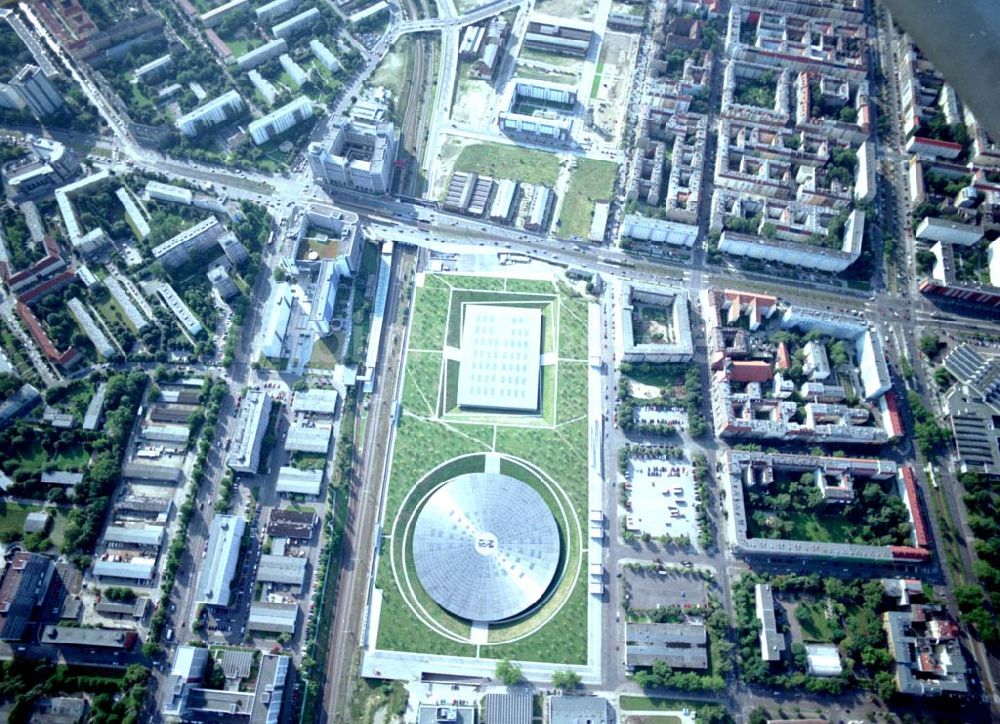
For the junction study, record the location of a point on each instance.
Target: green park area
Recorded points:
(814, 620)
(500, 160)
(592, 181)
(435, 443)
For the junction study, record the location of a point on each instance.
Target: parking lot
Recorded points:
(651, 589)
(661, 497)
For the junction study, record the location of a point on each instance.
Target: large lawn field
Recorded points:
(547, 450)
(592, 181)
(502, 161)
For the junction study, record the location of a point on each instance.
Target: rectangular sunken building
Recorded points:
(501, 362)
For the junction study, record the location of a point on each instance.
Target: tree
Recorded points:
(930, 344)
(510, 674)
(758, 716)
(565, 680)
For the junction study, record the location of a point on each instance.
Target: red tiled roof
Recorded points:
(910, 553)
(913, 503)
(50, 285)
(749, 371)
(935, 142)
(784, 360)
(37, 332)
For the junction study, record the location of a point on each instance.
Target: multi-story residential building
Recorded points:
(280, 120)
(178, 249)
(218, 110)
(295, 24)
(251, 424)
(275, 9)
(324, 55)
(155, 69)
(259, 56)
(37, 92)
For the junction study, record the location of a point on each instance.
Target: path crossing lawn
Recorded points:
(592, 181)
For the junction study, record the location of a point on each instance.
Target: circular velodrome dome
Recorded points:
(485, 546)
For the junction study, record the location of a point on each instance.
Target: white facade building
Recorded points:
(219, 565)
(281, 119)
(275, 9)
(216, 111)
(259, 56)
(251, 424)
(181, 310)
(275, 326)
(94, 333)
(295, 24)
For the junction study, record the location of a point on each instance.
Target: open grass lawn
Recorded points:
(659, 375)
(648, 703)
(111, 312)
(326, 352)
(241, 46)
(823, 528)
(13, 515)
(592, 181)
(423, 376)
(37, 460)
(502, 161)
(423, 442)
(394, 70)
(811, 616)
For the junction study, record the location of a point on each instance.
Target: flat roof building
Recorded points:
(356, 155)
(575, 709)
(219, 565)
(273, 617)
(258, 56)
(294, 524)
(144, 536)
(94, 333)
(772, 641)
(676, 344)
(295, 24)
(508, 706)
(149, 473)
(308, 438)
(218, 110)
(251, 424)
(284, 570)
(951, 232)
(178, 249)
(275, 326)
(180, 310)
(823, 660)
(60, 477)
(566, 36)
(24, 584)
(501, 358)
(98, 638)
(315, 401)
(281, 119)
(292, 481)
(125, 566)
(168, 192)
(679, 645)
(275, 9)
